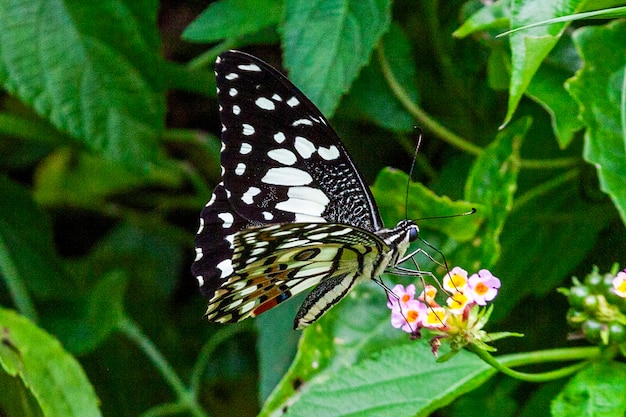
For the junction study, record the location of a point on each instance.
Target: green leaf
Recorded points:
(541, 246)
(47, 371)
(492, 182)
(356, 328)
(27, 255)
(78, 179)
(274, 358)
(401, 381)
(547, 89)
(327, 42)
(234, 18)
(93, 72)
(371, 98)
(390, 192)
(530, 47)
(599, 90)
(103, 311)
(491, 16)
(599, 390)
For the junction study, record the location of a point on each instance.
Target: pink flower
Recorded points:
(455, 280)
(619, 284)
(402, 296)
(409, 317)
(483, 286)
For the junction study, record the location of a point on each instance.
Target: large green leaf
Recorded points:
(372, 99)
(355, 329)
(599, 89)
(599, 390)
(28, 259)
(35, 359)
(100, 313)
(530, 47)
(492, 182)
(234, 18)
(390, 191)
(327, 42)
(401, 381)
(91, 69)
(79, 179)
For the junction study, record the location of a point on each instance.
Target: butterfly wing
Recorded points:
(282, 162)
(273, 263)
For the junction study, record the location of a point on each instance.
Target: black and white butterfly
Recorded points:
(291, 211)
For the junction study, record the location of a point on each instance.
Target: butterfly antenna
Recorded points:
(418, 133)
(467, 213)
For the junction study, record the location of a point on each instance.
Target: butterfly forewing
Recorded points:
(282, 161)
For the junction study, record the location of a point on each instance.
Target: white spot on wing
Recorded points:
(302, 122)
(248, 196)
(329, 153)
(306, 201)
(245, 149)
(230, 239)
(286, 176)
(231, 76)
(276, 97)
(265, 104)
(284, 156)
(241, 168)
(293, 102)
(279, 137)
(232, 92)
(226, 268)
(201, 226)
(236, 110)
(211, 201)
(267, 215)
(249, 67)
(200, 279)
(304, 147)
(198, 254)
(247, 129)
(227, 218)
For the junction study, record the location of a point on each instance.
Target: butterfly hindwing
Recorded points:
(282, 162)
(276, 262)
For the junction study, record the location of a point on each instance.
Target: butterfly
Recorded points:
(291, 211)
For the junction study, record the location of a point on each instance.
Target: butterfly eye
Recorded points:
(413, 233)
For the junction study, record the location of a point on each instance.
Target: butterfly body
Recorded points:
(291, 211)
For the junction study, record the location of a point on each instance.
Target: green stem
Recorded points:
(544, 188)
(447, 135)
(419, 114)
(556, 163)
(210, 346)
(17, 288)
(132, 331)
(504, 363)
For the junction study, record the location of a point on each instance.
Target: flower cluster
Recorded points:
(459, 321)
(598, 308)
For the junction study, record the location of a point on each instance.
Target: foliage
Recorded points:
(110, 149)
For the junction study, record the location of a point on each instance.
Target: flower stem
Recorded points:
(423, 117)
(504, 363)
(185, 397)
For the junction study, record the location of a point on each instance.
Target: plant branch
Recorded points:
(504, 363)
(185, 397)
